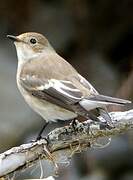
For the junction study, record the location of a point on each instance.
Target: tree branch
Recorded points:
(63, 142)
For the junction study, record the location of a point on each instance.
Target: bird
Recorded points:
(52, 87)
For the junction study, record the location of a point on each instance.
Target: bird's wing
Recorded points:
(56, 91)
(63, 92)
(59, 92)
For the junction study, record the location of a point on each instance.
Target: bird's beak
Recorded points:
(13, 38)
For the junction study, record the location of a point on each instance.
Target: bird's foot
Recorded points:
(39, 136)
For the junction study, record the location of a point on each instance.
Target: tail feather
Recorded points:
(108, 99)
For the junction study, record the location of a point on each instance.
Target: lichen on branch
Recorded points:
(62, 143)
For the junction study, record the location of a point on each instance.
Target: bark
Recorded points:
(61, 143)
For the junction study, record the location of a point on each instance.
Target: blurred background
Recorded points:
(96, 37)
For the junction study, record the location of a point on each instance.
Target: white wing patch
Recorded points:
(61, 87)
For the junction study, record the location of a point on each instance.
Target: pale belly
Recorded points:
(48, 111)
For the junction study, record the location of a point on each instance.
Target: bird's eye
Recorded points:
(33, 41)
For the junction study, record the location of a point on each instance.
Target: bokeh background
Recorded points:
(96, 37)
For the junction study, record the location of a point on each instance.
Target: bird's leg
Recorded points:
(39, 136)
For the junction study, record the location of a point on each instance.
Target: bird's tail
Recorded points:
(105, 115)
(109, 100)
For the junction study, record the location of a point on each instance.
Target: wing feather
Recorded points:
(108, 99)
(64, 91)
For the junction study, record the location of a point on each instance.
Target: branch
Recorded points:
(61, 143)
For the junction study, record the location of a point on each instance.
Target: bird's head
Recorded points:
(29, 45)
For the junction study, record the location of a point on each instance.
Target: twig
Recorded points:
(63, 142)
